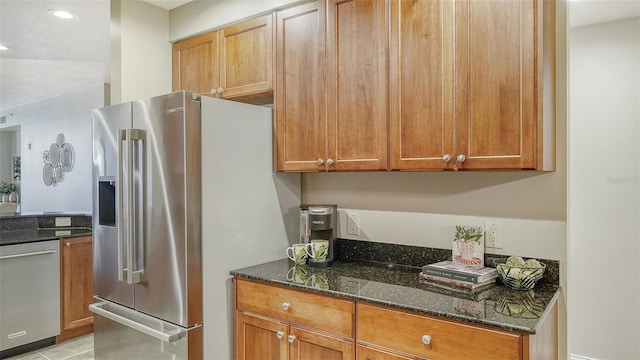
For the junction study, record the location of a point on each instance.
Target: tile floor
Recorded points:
(80, 348)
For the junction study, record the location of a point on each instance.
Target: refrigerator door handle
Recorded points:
(120, 214)
(135, 201)
(174, 333)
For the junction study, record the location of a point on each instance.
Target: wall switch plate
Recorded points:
(493, 234)
(353, 223)
(63, 221)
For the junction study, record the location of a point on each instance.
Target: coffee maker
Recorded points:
(320, 222)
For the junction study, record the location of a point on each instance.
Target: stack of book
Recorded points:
(466, 276)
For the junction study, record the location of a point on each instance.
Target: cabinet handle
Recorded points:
(220, 90)
(212, 91)
(319, 161)
(291, 338)
(67, 244)
(426, 339)
(461, 158)
(286, 306)
(329, 162)
(446, 158)
(280, 334)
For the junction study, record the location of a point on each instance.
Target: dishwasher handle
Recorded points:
(34, 253)
(168, 337)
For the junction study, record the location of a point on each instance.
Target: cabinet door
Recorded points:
(195, 64)
(357, 40)
(77, 283)
(300, 106)
(309, 345)
(260, 338)
(496, 83)
(246, 58)
(421, 84)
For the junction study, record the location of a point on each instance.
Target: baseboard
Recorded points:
(580, 357)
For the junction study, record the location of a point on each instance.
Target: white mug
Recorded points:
(319, 249)
(297, 253)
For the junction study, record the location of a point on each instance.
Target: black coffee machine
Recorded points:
(320, 222)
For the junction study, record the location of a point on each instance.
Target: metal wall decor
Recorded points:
(58, 160)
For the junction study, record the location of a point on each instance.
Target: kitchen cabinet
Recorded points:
(485, 98)
(195, 64)
(504, 84)
(331, 93)
(278, 323)
(407, 334)
(470, 85)
(357, 37)
(301, 99)
(421, 73)
(234, 63)
(76, 287)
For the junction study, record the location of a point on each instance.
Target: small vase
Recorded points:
(13, 197)
(5, 197)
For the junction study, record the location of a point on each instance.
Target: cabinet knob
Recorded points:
(329, 162)
(67, 244)
(446, 158)
(426, 339)
(291, 338)
(461, 158)
(220, 90)
(286, 306)
(212, 91)
(280, 334)
(319, 161)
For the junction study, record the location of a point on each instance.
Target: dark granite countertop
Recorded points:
(400, 287)
(34, 235)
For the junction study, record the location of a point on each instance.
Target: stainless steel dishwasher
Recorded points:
(29, 293)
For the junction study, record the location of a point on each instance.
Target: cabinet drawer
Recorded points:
(404, 332)
(317, 311)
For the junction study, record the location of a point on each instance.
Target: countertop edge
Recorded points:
(458, 318)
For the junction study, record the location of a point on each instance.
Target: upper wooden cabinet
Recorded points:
(301, 99)
(195, 64)
(233, 63)
(331, 93)
(501, 69)
(468, 83)
(76, 282)
(246, 59)
(357, 34)
(421, 74)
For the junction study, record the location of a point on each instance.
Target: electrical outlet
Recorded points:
(493, 234)
(353, 223)
(63, 221)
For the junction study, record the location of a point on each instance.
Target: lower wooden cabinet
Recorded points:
(76, 292)
(277, 323)
(274, 322)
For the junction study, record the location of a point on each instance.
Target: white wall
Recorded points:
(40, 123)
(604, 197)
(9, 144)
(140, 51)
(200, 16)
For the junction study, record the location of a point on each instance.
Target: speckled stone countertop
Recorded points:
(21, 229)
(399, 287)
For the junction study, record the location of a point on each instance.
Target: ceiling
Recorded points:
(48, 56)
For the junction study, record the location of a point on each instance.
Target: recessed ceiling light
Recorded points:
(2, 47)
(62, 14)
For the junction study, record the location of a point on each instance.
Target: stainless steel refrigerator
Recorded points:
(183, 192)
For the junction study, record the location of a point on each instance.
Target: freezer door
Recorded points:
(107, 122)
(122, 333)
(170, 251)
